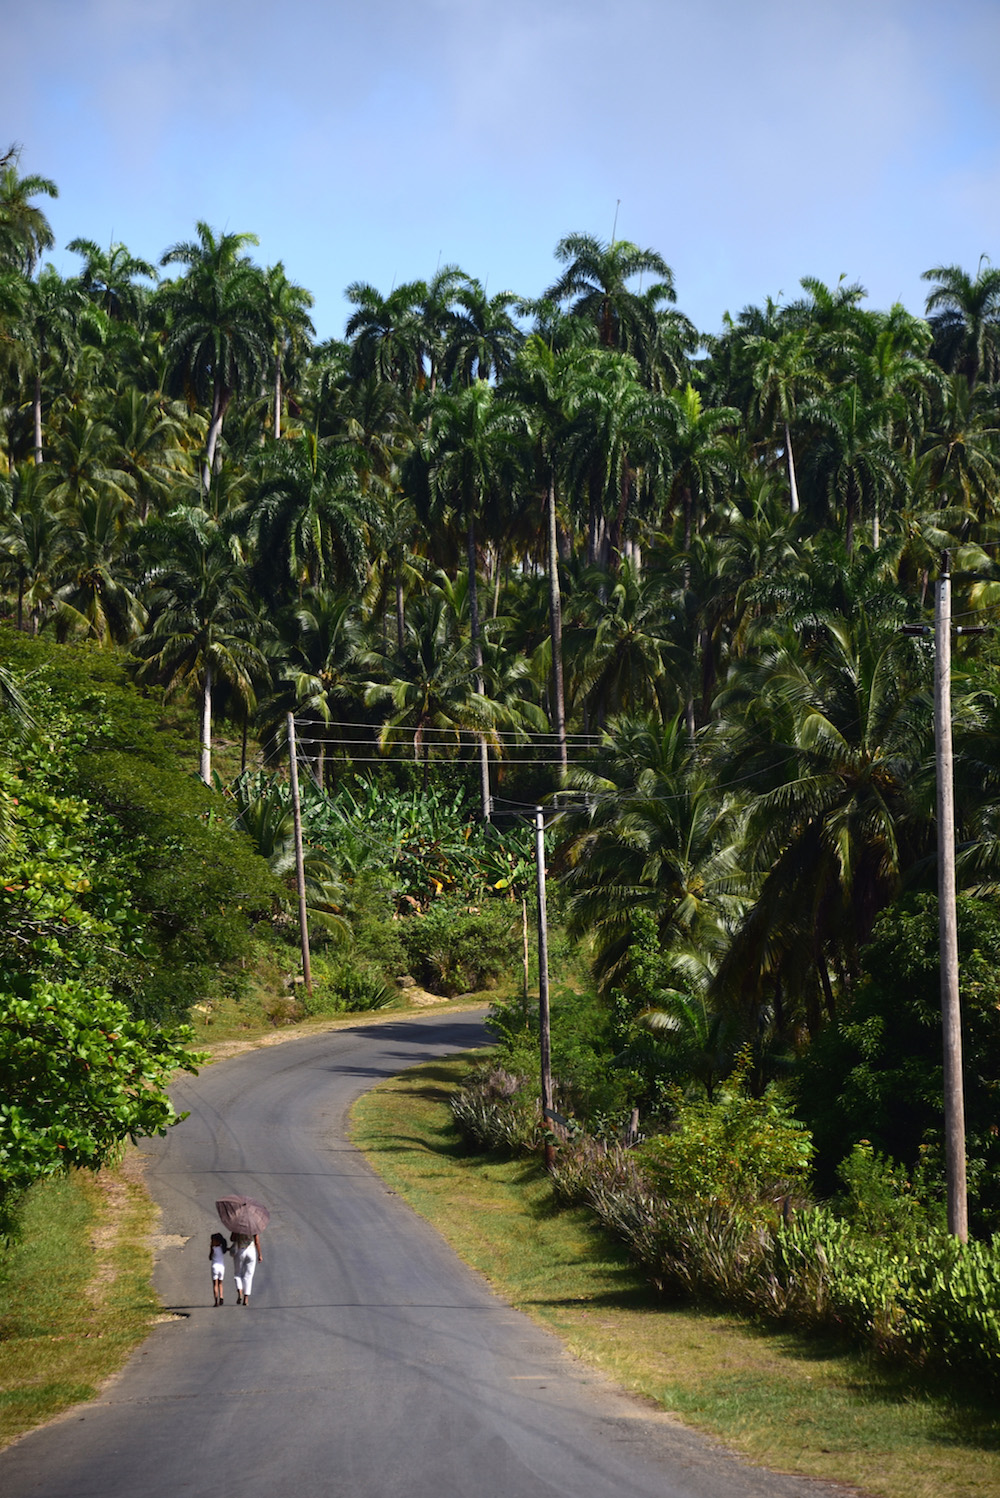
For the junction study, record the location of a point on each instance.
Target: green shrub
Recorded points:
(457, 948)
(880, 1199)
(348, 987)
(738, 1152)
(191, 889)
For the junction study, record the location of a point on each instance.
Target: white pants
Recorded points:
(244, 1264)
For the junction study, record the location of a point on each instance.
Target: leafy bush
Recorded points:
(455, 948)
(880, 1199)
(78, 1075)
(348, 987)
(739, 1152)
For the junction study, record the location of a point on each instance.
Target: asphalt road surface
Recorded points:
(370, 1362)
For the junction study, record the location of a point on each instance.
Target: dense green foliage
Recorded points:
(120, 906)
(489, 552)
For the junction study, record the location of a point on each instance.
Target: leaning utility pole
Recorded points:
(951, 1015)
(300, 873)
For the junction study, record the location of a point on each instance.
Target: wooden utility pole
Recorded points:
(300, 873)
(544, 1029)
(951, 1014)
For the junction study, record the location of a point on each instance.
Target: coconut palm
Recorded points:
(24, 230)
(428, 690)
(829, 724)
(307, 519)
(596, 285)
(653, 836)
(218, 333)
(322, 677)
(109, 278)
(964, 314)
(286, 309)
(152, 439)
(203, 627)
(97, 597)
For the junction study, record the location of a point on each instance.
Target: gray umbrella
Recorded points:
(241, 1214)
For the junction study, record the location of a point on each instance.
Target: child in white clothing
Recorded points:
(217, 1251)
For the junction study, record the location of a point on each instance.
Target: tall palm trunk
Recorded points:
(400, 612)
(36, 411)
(206, 726)
(790, 458)
(555, 627)
(221, 398)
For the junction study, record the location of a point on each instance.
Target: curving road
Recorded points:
(371, 1362)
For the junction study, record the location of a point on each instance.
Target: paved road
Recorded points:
(371, 1363)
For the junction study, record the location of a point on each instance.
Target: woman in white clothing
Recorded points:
(246, 1256)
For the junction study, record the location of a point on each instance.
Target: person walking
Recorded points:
(246, 1256)
(217, 1250)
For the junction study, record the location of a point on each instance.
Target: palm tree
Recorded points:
(960, 452)
(472, 438)
(784, 372)
(308, 518)
(852, 463)
(964, 314)
(323, 676)
(203, 627)
(615, 448)
(83, 463)
(287, 312)
(653, 837)
(630, 665)
(32, 543)
(151, 437)
(429, 691)
(108, 279)
(482, 338)
(96, 596)
(595, 283)
(831, 721)
(540, 378)
(700, 453)
(218, 338)
(388, 335)
(54, 309)
(24, 230)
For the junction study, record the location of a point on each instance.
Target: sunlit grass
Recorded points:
(75, 1296)
(784, 1401)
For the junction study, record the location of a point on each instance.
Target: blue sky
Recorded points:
(750, 143)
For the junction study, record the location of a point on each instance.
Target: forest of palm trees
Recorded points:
(573, 544)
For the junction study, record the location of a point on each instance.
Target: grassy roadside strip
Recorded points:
(75, 1293)
(785, 1402)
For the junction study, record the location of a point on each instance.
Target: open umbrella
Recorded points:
(241, 1214)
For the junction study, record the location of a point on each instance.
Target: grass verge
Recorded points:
(75, 1293)
(786, 1402)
